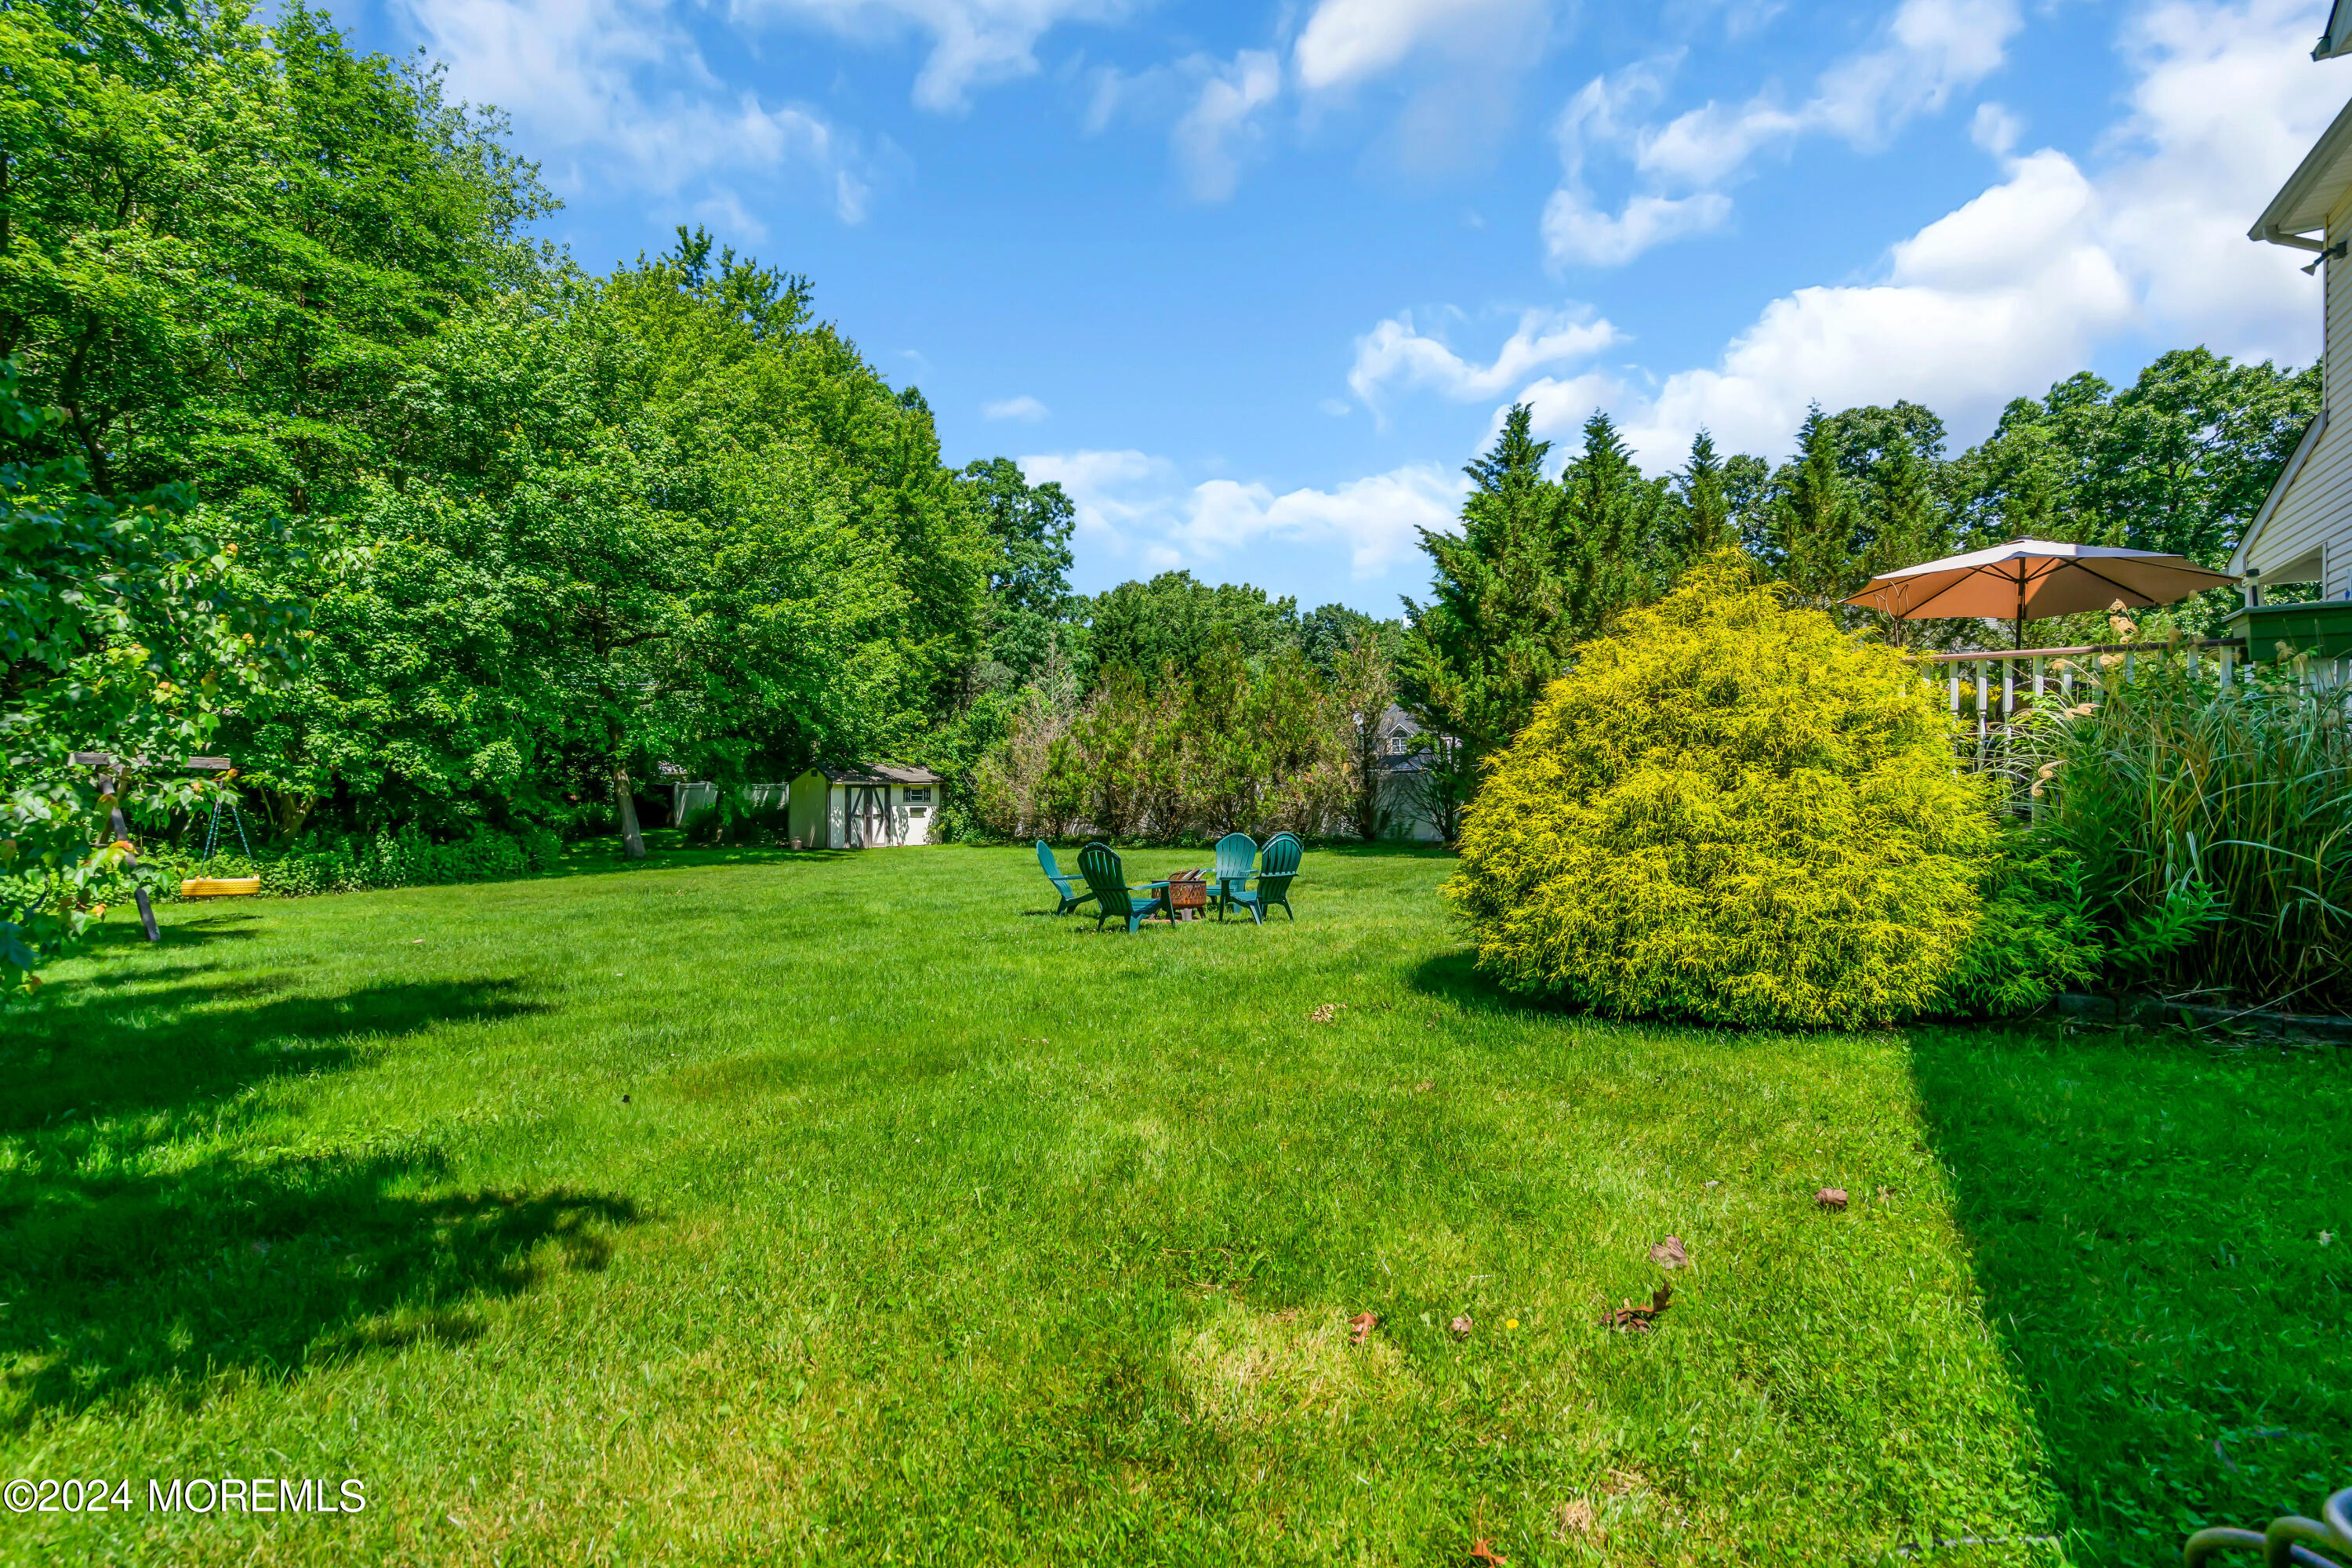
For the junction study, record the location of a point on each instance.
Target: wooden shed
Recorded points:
(864, 807)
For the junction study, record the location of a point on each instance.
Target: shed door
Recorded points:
(869, 808)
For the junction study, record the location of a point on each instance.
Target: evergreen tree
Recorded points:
(1813, 518)
(1478, 654)
(1539, 565)
(1905, 522)
(1610, 550)
(1702, 504)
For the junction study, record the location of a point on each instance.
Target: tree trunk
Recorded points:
(633, 843)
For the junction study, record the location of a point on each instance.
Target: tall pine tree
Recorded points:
(1813, 518)
(1703, 507)
(1540, 566)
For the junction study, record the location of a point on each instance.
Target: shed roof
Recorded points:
(2315, 190)
(878, 773)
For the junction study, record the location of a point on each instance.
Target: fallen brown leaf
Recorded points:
(1483, 1550)
(1323, 1015)
(1361, 1325)
(1571, 1518)
(1424, 1086)
(1639, 1319)
(1460, 1327)
(1669, 1254)
(1831, 1198)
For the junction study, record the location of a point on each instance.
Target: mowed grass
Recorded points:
(768, 1208)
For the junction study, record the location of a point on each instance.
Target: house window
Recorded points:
(915, 796)
(1396, 745)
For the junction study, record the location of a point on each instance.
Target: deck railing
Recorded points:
(1992, 687)
(2032, 672)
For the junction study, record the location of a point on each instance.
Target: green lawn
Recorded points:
(757, 1207)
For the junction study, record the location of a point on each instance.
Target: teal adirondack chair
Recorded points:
(1236, 860)
(1063, 884)
(1277, 871)
(1113, 899)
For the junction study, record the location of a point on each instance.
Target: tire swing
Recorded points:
(223, 887)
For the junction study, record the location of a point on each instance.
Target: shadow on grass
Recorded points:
(121, 936)
(1453, 977)
(263, 1267)
(142, 1241)
(666, 850)
(99, 1053)
(2145, 1212)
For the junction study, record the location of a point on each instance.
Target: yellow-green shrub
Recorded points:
(1734, 812)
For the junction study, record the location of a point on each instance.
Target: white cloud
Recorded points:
(1350, 41)
(1220, 128)
(1930, 49)
(1138, 507)
(1025, 408)
(1396, 354)
(974, 43)
(1996, 129)
(1457, 64)
(1576, 230)
(1215, 109)
(2023, 284)
(621, 83)
(2001, 297)
(2226, 104)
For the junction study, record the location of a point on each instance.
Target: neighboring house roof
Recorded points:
(2303, 450)
(1396, 725)
(2316, 189)
(879, 774)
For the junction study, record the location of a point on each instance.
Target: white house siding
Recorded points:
(1402, 816)
(2315, 512)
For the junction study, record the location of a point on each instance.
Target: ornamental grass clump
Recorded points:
(2210, 829)
(1732, 812)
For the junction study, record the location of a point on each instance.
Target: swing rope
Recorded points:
(212, 834)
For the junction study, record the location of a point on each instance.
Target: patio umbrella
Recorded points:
(2033, 579)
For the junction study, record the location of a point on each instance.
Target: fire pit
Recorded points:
(1188, 895)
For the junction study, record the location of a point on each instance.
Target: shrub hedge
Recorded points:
(354, 862)
(1732, 812)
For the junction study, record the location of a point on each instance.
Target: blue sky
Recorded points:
(1255, 280)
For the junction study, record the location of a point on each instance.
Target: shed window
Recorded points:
(918, 794)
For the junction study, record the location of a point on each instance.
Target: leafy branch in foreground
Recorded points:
(122, 631)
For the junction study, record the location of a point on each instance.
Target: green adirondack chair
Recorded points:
(1113, 898)
(1236, 860)
(1276, 871)
(1072, 897)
